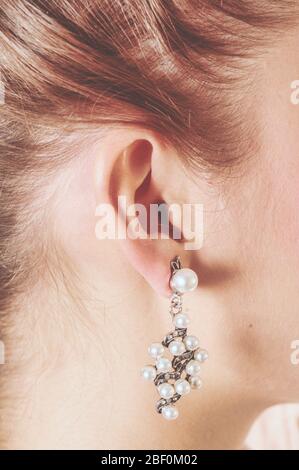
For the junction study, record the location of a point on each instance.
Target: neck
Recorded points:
(81, 387)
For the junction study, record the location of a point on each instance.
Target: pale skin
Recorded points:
(79, 381)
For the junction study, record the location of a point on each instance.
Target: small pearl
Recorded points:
(177, 348)
(149, 373)
(181, 320)
(201, 355)
(193, 368)
(166, 390)
(170, 412)
(163, 365)
(156, 350)
(182, 387)
(195, 382)
(191, 342)
(184, 280)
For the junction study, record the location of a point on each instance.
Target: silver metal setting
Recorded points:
(178, 362)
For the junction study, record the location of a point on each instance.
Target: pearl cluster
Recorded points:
(178, 358)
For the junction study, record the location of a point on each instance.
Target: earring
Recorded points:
(178, 357)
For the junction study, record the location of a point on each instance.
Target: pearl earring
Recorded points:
(179, 357)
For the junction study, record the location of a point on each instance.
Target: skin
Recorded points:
(84, 341)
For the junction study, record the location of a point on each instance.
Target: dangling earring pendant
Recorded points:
(178, 357)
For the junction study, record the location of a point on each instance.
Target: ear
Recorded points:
(133, 174)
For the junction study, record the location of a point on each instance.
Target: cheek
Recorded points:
(284, 215)
(277, 267)
(275, 238)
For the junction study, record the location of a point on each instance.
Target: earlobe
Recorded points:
(132, 189)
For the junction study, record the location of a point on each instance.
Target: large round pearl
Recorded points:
(163, 365)
(191, 342)
(177, 348)
(170, 412)
(182, 387)
(166, 390)
(201, 355)
(181, 320)
(156, 350)
(184, 280)
(195, 382)
(193, 368)
(148, 373)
